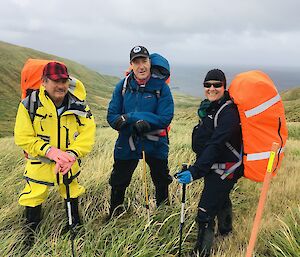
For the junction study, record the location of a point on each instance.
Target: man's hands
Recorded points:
(141, 127)
(64, 160)
(120, 121)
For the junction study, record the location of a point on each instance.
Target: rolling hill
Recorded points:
(99, 87)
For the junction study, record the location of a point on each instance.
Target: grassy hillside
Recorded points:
(99, 87)
(130, 234)
(291, 100)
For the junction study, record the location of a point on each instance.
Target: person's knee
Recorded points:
(33, 194)
(204, 218)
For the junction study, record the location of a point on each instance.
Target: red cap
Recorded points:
(55, 71)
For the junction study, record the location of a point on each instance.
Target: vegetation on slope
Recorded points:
(13, 58)
(129, 234)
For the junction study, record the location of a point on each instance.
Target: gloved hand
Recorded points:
(58, 155)
(141, 127)
(184, 177)
(120, 121)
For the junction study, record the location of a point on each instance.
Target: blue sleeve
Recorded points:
(164, 111)
(228, 125)
(115, 105)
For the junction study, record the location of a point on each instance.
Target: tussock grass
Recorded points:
(130, 234)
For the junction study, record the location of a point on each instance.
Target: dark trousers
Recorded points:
(215, 194)
(123, 170)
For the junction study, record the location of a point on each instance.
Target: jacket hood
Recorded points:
(160, 67)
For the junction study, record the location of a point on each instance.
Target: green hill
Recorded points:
(130, 234)
(99, 87)
(291, 100)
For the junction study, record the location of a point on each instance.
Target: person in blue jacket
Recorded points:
(217, 142)
(141, 109)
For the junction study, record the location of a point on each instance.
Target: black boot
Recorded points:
(225, 220)
(205, 239)
(162, 195)
(76, 221)
(116, 200)
(33, 218)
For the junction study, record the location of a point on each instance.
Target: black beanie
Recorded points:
(216, 74)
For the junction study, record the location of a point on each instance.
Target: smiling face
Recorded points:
(214, 93)
(141, 67)
(56, 89)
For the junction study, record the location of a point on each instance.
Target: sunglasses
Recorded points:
(215, 84)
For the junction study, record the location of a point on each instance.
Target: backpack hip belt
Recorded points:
(152, 136)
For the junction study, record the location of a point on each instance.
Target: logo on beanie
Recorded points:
(136, 49)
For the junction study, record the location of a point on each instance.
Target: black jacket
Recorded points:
(209, 142)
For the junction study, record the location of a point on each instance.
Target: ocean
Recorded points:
(189, 79)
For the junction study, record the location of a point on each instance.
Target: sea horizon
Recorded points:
(188, 79)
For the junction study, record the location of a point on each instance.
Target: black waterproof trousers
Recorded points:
(122, 173)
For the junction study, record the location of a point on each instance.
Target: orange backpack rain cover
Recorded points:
(262, 120)
(31, 75)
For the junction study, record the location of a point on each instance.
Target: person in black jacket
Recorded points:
(217, 142)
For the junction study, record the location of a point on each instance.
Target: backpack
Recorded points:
(31, 80)
(262, 120)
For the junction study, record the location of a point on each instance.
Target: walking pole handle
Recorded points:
(183, 168)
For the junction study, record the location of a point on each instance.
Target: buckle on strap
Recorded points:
(228, 169)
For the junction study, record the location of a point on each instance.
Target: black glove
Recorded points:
(141, 127)
(120, 122)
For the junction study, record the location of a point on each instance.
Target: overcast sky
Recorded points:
(251, 32)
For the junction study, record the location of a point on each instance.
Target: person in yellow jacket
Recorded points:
(55, 128)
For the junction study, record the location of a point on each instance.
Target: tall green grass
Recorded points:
(130, 234)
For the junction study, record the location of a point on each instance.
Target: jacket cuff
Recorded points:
(196, 172)
(72, 151)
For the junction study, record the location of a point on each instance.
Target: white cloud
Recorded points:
(191, 31)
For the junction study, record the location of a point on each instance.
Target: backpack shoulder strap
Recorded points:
(32, 103)
(218, 112)
(125, 84)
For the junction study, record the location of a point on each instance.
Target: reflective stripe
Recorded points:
(131, 144)
(262, 107)
(41, 158)
(231, 169)
(216, 166)
(218, 112)
(261, 156)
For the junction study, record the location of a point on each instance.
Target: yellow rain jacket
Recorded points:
(73, 130)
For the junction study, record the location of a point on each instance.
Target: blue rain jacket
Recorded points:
(154, 105)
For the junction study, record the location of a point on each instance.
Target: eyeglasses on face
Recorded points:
(215, 84)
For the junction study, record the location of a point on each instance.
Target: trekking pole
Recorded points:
(262, 200)
(69, 211)
(184, 167)
(145, 182)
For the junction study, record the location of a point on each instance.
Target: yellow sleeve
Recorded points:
(25, 135)
(86, 136)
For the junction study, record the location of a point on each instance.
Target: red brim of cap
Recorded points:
(58, 76)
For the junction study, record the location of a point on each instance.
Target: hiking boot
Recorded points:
(224, 217)
(33, 219)
(205, 240)
(119, 210)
